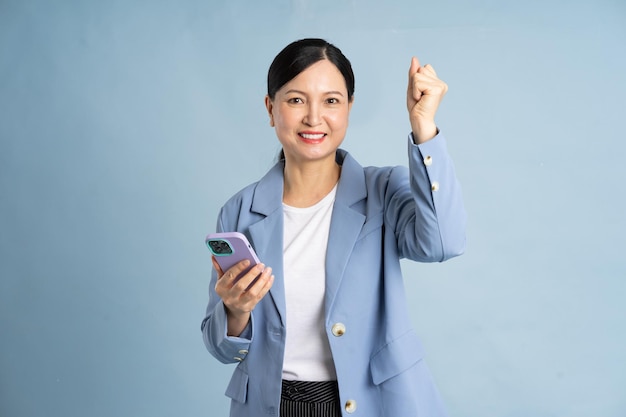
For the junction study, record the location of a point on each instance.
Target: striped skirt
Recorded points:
(310, 399)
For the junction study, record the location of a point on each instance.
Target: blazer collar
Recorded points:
(268, 195)
(351, 188)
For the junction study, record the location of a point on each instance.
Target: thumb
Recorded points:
(415, 65)
(412, 95)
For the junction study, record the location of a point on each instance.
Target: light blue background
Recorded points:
(125, 125)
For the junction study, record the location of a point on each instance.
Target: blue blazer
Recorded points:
(380, 215)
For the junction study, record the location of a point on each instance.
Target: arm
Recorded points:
(425, 209)
(428, 216)
(228, 326)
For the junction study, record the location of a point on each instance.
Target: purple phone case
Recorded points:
(241, 250)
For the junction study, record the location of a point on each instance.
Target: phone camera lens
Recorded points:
(220, 247)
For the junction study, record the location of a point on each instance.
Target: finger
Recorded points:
(267, 286)
(426, 82)
(428, 70)
(255, 289)
(231, 275)
(259, 289)
(244, 282)
(248, 281)
(263, 285)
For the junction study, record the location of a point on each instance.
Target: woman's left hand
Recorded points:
(424, 93)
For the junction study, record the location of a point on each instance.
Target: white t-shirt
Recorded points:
(307, 352)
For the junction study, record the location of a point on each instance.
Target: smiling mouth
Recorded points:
(312, 136)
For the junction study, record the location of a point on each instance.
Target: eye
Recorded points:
(332, 100)
(295, 100)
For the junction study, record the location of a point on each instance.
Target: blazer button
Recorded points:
(338, 329)
(428, 161)
(350, 406)
(434, 186)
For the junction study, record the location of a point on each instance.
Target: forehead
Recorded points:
(322, 76)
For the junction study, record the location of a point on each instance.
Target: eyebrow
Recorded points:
(304, 94)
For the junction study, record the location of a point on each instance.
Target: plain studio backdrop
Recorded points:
(125, 125)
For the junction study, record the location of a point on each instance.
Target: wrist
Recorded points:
(236, 322)
(423, 131)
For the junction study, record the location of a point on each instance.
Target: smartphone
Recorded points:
(230, 248)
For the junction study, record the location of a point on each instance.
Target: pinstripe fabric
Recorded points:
(310, 399)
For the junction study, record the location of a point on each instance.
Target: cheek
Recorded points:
(285, 120)
(339, 121)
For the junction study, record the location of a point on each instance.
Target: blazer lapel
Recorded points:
(346, 224)
(267, 234)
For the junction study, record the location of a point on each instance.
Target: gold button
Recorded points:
(428, 161)
(243, 352)
(238, 359)
(434, 186)
(338, 329)
(350, 406)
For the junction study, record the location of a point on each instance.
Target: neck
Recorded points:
(306, 184)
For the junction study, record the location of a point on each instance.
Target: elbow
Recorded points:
(453, 236)
(452, 251)
(441, 252)
(436, 246)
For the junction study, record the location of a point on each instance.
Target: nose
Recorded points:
(313, 115)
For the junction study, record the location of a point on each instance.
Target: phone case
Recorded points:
(229, 248)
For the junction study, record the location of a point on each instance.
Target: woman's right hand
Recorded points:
(240, 296)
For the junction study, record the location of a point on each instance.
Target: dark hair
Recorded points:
(301, 54)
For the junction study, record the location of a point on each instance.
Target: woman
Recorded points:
(325, 329)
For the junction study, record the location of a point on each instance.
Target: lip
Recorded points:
(312, 137)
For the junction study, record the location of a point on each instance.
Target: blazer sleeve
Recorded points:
(428, 214)
(226, 349)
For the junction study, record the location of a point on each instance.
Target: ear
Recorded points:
(270, 106)
(350, 103)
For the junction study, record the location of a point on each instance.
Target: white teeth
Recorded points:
(311, 136)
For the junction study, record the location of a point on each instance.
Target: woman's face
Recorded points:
(310, 113)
